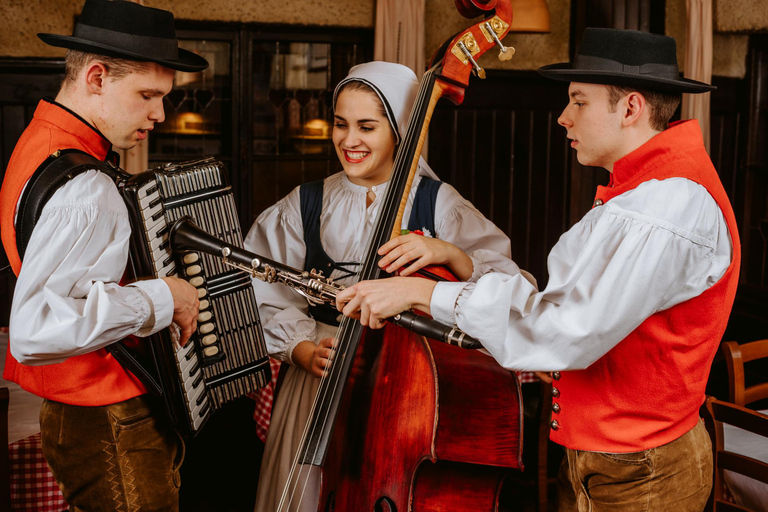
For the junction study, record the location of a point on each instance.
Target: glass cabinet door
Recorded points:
(292, 99)
(292, 119)
(263, 106)
(198, 110)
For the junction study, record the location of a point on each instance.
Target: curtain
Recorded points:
(399, 35)
(698, 62)
(136, 159)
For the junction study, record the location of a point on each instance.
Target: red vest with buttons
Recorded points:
(647, 390)
(91, 379)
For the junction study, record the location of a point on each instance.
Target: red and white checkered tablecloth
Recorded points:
(526, 377)
(264, 398)
(33, 487)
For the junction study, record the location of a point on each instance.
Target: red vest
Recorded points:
(647, 390)
(95, 378)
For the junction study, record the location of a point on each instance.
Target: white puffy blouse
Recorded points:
(345, 227)
(68, 300)
(644, 251)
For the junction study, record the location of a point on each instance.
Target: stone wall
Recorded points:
(27, 18)
(733, 20)
(23, 19)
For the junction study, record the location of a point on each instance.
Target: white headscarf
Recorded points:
(396, 86)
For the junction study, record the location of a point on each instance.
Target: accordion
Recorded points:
(226, 357)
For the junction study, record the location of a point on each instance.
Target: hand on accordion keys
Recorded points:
(185, 306)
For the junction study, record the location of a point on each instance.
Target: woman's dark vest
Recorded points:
(422, 217)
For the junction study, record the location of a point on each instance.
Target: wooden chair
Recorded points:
(715, 415)
(735, 357)
(5, 464)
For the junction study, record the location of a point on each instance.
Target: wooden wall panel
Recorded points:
(739, 126)
(22, 84)
(645, 15)
(757, 152)
(503, 150)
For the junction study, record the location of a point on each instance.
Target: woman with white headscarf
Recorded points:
(326, 225)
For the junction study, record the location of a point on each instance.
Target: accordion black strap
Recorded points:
(53, 174)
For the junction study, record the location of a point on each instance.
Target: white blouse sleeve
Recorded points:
(457, 221)
(642, 252)
(278, 234)
(68, 300)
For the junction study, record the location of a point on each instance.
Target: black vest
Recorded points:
(422, 217)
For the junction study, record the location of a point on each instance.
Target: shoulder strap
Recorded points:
(423, 210)
(311, 207)
(53, 173)
(316, 258)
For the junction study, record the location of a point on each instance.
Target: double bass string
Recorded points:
(386, 215)
(389, 208)
(332, 378)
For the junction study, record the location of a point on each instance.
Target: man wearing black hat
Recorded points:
(639, 290)
(106, 440)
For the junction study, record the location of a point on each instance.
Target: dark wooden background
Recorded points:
(502, 149)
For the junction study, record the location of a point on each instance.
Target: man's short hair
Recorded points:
(75, 61)
(662, 105)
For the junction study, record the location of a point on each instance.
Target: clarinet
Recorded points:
(187, 236)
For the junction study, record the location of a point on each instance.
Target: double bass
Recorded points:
(402, 422)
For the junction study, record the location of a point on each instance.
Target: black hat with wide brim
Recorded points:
(128, 30)
(626, 58)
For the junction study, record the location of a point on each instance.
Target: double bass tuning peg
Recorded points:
(468, 54)
(505, 52)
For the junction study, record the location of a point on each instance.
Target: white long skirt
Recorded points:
(289, 418)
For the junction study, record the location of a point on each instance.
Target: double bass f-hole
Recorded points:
(385, 505)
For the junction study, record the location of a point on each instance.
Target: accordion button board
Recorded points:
(226, 358)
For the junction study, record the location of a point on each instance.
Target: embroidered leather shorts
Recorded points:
(118, 457)
(675, 476)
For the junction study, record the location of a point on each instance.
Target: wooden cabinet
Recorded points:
(263, 107)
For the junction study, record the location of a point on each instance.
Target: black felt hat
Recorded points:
(128, 30)
(627, 58)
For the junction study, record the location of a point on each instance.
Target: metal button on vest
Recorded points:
(556, 375)
(598, 202)
(556, 408)
(554, 425)
(555, 392)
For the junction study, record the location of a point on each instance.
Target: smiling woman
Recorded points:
(364, 140)
(325, 225)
